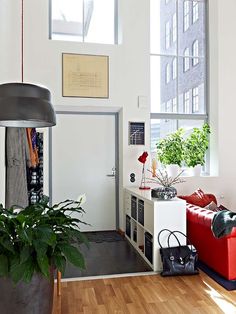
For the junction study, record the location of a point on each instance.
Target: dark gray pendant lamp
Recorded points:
(25, 105)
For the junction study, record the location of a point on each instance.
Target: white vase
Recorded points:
(173, 170)
(195, 171)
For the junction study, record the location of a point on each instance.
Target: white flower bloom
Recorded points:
(82, 199)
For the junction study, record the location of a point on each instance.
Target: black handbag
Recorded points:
(178, 260)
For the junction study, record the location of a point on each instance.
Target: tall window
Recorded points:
(187, 102)
(186, 60)
(168, 106)
(167, 73)
(181, 102)
(174, 28)
(167, 35)
(174, 105)
(195, 52)
(84, 20)
(195, 100)
(195, 11)
(186, 15)
(174, 68)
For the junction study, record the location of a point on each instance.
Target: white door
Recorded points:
(83, 155)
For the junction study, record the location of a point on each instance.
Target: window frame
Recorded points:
(116, 26)
(176, 116)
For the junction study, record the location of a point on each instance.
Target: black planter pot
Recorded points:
(35, 297)
(164, 193)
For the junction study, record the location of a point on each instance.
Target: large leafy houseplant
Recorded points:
(196, 145)
(38, 239)
(170, 149)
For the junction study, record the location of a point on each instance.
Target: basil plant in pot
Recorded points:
(34, 242)
(196, 145)
(170, 152)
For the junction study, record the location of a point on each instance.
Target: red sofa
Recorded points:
(218, 254)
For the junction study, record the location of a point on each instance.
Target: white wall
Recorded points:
(129, 78)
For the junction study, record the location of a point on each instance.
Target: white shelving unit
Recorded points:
(146, 216)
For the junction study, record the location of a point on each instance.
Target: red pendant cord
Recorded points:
(22, 41)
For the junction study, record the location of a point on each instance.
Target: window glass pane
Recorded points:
(159, 129)
(163, 86)
(186, 60)
(188, 125)
(195, 11)
(163, 27)
(195, 95)
(195, 31)
(186, 15)
(174, 28)
(162, 127)
(174, 68)
(187, 81)
(84, 20)
(101, 28)
(67, 19)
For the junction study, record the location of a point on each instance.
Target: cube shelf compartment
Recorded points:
(145, 217)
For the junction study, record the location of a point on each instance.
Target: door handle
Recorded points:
(113, 173)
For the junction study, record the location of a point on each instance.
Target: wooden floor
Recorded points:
(145, 294)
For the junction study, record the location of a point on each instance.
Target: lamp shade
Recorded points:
(25, 105)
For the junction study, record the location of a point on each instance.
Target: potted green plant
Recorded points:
(195, 147)
(170, 152)
(33, 243)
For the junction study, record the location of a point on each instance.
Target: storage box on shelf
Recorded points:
(145, 217)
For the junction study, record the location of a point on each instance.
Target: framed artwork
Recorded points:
(136, 133)
(85, 76)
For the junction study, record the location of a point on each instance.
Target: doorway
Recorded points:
(84, 160)
(84, 150)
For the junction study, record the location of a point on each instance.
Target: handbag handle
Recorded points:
(158, 237)
(173, 233)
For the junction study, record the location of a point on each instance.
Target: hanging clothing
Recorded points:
(32, 142)
(17, 157)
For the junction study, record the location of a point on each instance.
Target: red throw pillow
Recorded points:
(198, 198)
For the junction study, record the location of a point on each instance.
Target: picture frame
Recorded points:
(85, 76)
(136, 133)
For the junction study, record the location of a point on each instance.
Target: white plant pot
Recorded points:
(195, 171)
(173, 170)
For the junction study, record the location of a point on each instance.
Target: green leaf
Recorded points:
(46, 234)
(16, 270)
(21, 218)
(40, 247)
(3, 265)
(28, 270)
(82, 238)
(43, 265)
(25, 254)
(60, 263)
(73, 255)
(6, 243)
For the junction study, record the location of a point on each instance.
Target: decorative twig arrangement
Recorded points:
(163, 179)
